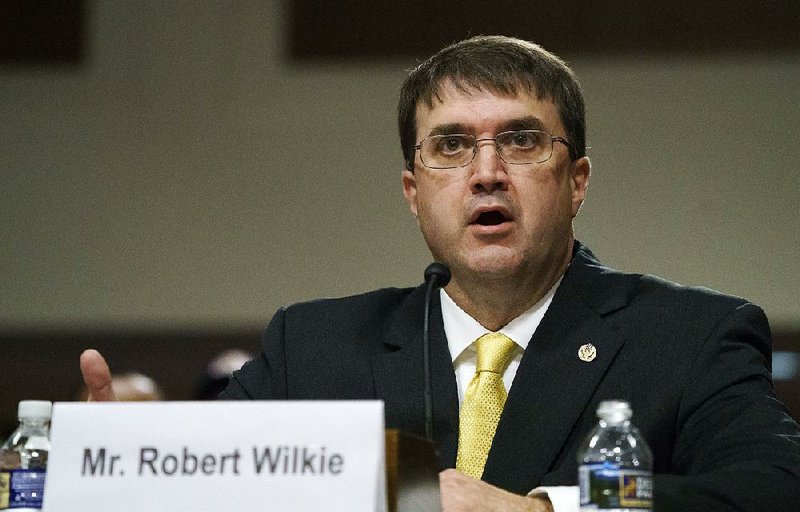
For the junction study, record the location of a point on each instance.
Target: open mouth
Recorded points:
(491, 218)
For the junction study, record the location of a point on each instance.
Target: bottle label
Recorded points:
(605, 487)
(21, 488)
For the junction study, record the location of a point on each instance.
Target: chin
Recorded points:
(494, 266)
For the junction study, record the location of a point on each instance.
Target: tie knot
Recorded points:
(494, 351)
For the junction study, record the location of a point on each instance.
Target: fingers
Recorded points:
(541, 502)
(461, 493)
(96, 376)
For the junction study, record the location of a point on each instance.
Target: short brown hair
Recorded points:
(498, 64)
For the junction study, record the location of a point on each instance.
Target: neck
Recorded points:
(494, 302)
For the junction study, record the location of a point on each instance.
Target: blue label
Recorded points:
(604, 486)
(26, 488)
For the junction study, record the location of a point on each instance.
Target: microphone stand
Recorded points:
(436, 275)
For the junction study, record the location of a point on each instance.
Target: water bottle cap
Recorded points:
(35, 409)
(614, 411)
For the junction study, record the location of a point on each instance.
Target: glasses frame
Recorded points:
(553, 140)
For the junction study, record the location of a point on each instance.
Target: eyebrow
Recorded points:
(448, 129)
(523, 123)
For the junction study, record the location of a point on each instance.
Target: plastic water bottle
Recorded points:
(23, 458)
(615, 465)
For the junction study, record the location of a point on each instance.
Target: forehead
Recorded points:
(478, 111)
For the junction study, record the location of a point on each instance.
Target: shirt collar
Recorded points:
(462, 330)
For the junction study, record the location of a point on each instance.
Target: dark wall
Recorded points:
(45, 365)
(365, 29)
(789, 390)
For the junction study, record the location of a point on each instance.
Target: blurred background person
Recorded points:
(218, 371)
(131, 387)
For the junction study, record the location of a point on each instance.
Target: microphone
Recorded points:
(436, 275)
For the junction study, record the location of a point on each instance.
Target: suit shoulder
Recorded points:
(372, 307)
(608, 289)
(597, 277)
(381, 298)
(655, 289)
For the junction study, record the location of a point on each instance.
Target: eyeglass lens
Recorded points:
(458, 150)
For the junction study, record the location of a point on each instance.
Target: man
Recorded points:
(493, 136)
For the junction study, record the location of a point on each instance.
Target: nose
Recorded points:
(488, 171)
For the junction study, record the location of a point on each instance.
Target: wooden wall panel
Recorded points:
(365, 29)
(41, 31)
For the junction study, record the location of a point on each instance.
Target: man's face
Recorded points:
(491, 219)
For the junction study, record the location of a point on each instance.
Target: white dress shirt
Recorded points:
(462, 330)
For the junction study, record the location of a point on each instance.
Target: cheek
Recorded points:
(545, 202)
(433, 212)
(438, 213)
(438, 195)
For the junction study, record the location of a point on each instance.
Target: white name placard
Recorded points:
(216, 456)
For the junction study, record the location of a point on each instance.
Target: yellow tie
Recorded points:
(483, 403)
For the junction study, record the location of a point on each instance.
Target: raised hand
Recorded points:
(96, 376)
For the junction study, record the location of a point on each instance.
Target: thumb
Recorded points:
(96, 376)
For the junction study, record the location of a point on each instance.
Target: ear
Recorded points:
(410, 190)
(579, 181)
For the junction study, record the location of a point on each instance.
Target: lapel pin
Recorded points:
(587, 353)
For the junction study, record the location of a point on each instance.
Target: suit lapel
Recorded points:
(553, 385)
(399, 377)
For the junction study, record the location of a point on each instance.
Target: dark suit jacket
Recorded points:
(693, 363)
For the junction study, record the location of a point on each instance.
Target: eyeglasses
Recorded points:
(517, 147)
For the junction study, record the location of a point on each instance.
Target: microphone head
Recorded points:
(437, 273)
